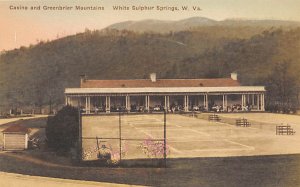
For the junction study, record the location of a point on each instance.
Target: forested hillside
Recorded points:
(37, 75)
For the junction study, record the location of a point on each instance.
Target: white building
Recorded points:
(15, 138)
(150, 95)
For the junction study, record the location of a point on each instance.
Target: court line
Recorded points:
(249, 147)
(234, 125)
(172, 148)
(216, 150)
(199, 132)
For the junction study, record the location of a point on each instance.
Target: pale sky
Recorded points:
(25, 27)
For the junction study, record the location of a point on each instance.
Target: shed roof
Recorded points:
(142, 83)
(16, 129)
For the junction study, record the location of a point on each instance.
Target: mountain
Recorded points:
(163, 26)
(196, 22)
(36, 76)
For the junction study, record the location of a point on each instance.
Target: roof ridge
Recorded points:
(157, 79)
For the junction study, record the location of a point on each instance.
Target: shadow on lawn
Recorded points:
(281, 170)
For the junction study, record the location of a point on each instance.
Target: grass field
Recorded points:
(190, 136)
(193, 137)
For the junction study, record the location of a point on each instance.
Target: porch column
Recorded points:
(206, 102)
(69, 100)
(262, 102)
(186, 103)
(107, 104)
(243, 102)
(127, 99)
(168, 103)
(66, 100)
(88, 110)
(86, 104)
(224, 102)
(252, 99)
(147, 102)
(258, 105)
(165, 107)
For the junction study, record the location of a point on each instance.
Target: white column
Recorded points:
(204, 103)
(107, 104)
(86, 104)
(226, 102)
(262, 103)
(89, 105)
(128, 102)
(168, 103)
(263, 99)
(184, 103)
(223, 102)
(165, 103)
(258, 108)
(243, 102)
(66, 100)
(187, 103)
(147, 102)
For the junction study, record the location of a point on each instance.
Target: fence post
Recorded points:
(79, 136)
(165, 136)
(120, 137)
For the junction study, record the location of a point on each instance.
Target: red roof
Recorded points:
(16, 129)
(138, 83)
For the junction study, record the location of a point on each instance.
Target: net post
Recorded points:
(79, 148)
(120, 138)
(165, 136)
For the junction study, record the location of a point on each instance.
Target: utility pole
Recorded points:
(120, 138)
(165, 137)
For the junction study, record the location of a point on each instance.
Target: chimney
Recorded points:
(153, 77)
(234, 76)
(83, 78)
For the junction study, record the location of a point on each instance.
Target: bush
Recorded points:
(62, 130)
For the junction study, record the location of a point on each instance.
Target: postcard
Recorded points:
(150, 93)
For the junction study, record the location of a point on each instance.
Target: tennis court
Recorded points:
(186, 136)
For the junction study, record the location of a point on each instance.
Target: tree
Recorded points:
(62, 129)
(282, 88)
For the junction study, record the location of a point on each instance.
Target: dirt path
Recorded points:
(17, 180)
(8, 120)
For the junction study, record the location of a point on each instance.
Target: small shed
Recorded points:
(15, 137)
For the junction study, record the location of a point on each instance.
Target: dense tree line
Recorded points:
(37, 75)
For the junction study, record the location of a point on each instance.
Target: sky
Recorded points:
(20, 27)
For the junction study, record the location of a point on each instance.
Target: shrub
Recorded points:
(62, 129)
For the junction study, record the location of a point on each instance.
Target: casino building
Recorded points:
(154, 95)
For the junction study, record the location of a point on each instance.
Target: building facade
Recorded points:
(15, 138)
(153, 95)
